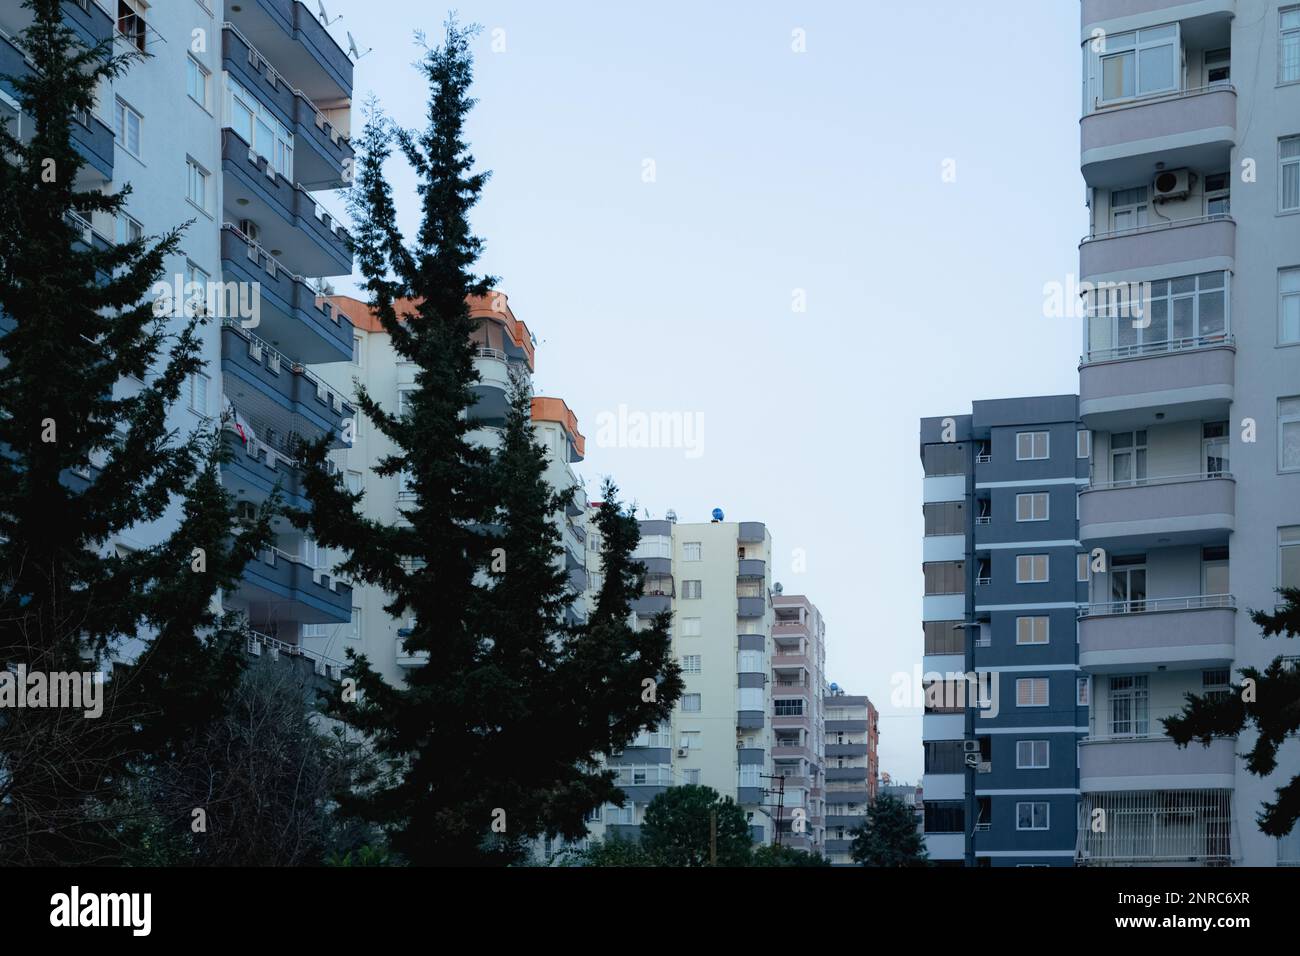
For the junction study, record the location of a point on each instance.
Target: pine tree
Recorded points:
(76, 318)
(497, 738)
(1269, 700)
(683, 826)
(888, 836)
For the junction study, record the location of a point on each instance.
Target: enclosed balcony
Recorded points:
(256, 469)
(277, 587)
(1206, 241)
(1154, 762)
(290, 315)
(1149, 633)
(91, 137)
(298, 45)
(1173, 510)
(289, 222)
(1189, 827)
(1182, 128)
(322, 152)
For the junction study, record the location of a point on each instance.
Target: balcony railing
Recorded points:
(1194, 602)
(1157, 480)
(325, 665)
(1143, 99)
(1143, 349)
(1155, 227)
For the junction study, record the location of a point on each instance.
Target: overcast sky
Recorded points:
(799, 277)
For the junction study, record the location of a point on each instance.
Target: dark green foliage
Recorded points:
(676, 828)
(889, 837)
(774, 855)
(1271, 706)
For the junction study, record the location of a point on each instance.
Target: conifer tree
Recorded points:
(888, 836)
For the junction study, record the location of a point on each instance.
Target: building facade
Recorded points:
(799, 722)
(852, 769)
(1004, 578)
(1190, 150)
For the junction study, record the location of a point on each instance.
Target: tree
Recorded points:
(1269, 700)
(888, 836)
(75, 318)
(612, 851)
(497, 738)
(773, 854)
(678, 825)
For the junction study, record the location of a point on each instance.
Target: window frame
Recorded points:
(1285, 165)
(1033, 804)
(1284, 419)
(1047, 569)
(1287, 34)
(196, 171)
(121, 129)
(1033, 443)
(192, 68)
(1033, 620)
(692, 551)
(1286, 276)
(1033, 763)
(1030, 683)
(1033, 497)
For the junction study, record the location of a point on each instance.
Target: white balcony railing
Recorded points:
(1156, 480)
(1143, 349)
(1194, 602)
(1156, 227)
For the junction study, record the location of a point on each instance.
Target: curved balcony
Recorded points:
(253, 477)
(1187, 379)
(648, 605)
(1194, 632)
(751, 532)
(1193, 128)
(279, 587)
(1176, 510)
(1151, 12)
(1207, 243)
(846, 750)
(751, 606)
(1154, 763)
(298, 44)
(751, 568)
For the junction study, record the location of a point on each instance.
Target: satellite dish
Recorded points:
(671, 515)
(778, 588)
(717, 514)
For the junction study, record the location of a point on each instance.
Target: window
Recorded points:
(692, 590)
(691, 703)
(749, 662)
(1218, 66)
(260, 129)
(1214, 570)
(691, 664)
(788, 708)
(1128, 457)
(1288, 332)
(198, 393)
(1288, 59)
(691, 550)
(1082, 692)
(1082, 443)
(196, 81)
(1128, 208)
(404, 401)
(653, 546)
(595, 581)
(1031, 446)
(1216, 684)
(1031, 630)
(127, 229)
(196, 184)
(1289, 557)
(1185, 312)
(1032, 815)
(944, 517)
(593, 541)
(750, 699)
(1031, 568)
(1214, 443)
(195, 293)
(691, 777)
(131, 22)
(1140, 63)
(354, 632)
(751, 776)
(1081, 567)
(1288, 433)
(944, 756)
(1218, 194)
(1289, 178)
(356, 482)
(1032, 507)
(1031, 755)
(1031, 692)
(944, 637)
(690, 739)
(689, 627)
(944, 458)
(405, 484)
(126, 128)
(1129, 706)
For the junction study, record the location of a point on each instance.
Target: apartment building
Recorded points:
(503, 348)
(235, 122)
(799, 753)
(1004, 577)
(1190, 150)
(852, 734)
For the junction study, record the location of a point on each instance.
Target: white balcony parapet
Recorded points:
(1156, 227)
(1194, 602)
(1158, 480)
(1144, 349)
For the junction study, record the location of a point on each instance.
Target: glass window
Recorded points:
(1288, 60)
(196, 189)
(691, 664)
(1031, 446)
(1081, 566)
(1140, 63)
(1082, 443)
(1288, 433)
(1031, 692)
(1032, 506)
(749, 662)
(1032, 815)
(1214, 441)
(788, 708)
(199, 393)
(1289, 557)
(691, 551)
(1128, 208)
(1129, 706)
(1032, 630)
(260, 128)
(1128, 457)
(196, 81)
(128, 229)
(1289, 306)
(689, 627)
(1031, 568)
(1031, 754)
(692, 590)
(1289, 172)
(127, 123)
(1082, 691)
(691, 703)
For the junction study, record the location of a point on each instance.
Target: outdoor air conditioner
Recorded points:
(683, 751)
(1171, 184)
(970, 746)
(251, 230)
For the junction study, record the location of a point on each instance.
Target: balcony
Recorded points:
(791, 721)
(842, 774)
(788, 751)
(255, 470)
(648, 605)
(91, 137)
(280, 588)
(751, 532)
(299, 46)
(789, 659)
(92, 24)
(1154, 763)
(290, 317)
(751, 568)
(292, 225)
(751, 606)
(268, 387)
(1184, 379)
(1182, 826)
(407, 658)
(846, 750)
(321, 151)
(750, 720)
(1194, 632)
(1151, 11)
(1186, 128)
(1167, 511)
(1209, 242)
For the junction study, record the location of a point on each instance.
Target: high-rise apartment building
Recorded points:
(852, 768)
(1004, 577)
(798, 722)
(1190, 150)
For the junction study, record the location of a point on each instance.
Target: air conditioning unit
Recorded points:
(1171, 184)
(970, 746)
(683, 751)
(251, 230)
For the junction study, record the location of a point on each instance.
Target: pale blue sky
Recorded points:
(776, 171)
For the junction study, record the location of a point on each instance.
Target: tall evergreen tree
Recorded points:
(74, 319)
(496, 739)
(684, 826)
(888, 836)
(1270, 701)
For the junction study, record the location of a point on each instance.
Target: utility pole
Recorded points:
(713, 838)
(780, 800)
